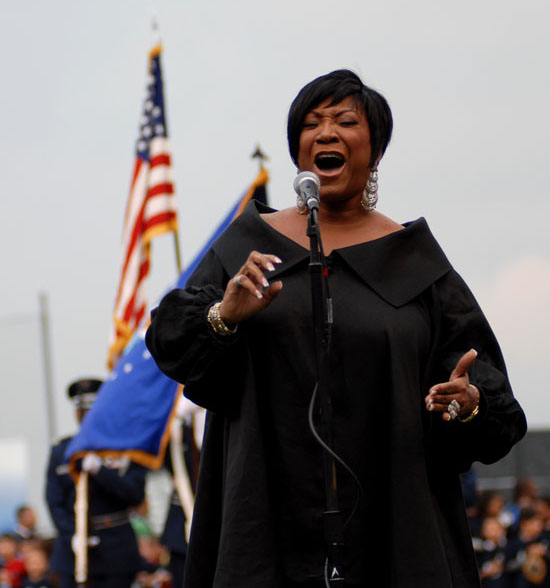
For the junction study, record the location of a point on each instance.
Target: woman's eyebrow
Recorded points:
(319, 114)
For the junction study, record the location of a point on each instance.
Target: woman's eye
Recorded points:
(348, 123)
(309, 125)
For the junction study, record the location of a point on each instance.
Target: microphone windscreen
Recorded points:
(305, 176)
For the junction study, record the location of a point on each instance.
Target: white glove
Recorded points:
(91, 463)
(93, 541)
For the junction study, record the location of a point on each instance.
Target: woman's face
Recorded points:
(335, 144)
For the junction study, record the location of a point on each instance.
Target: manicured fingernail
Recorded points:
(265, 283)
(270, 266)
(433, 391)
(474, 350)
(277, 260)
(259, 294)
(430, 406)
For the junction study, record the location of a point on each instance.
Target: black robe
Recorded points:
(402, 319)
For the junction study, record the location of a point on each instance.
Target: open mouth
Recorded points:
(329, 161)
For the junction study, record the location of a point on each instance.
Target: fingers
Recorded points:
(441, 403)
(442, 392)
(244, 282)
(442, 396)
(268, 291)
(461, 368)
(449, 409)
(455, 392)
(249, 290)
(251, 276)
(460, 393)
(273, 290)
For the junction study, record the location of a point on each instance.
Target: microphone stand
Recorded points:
(322, 323)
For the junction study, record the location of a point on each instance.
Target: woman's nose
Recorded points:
(327, 132)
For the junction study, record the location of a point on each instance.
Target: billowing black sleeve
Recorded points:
(461, 326)
(186, 348)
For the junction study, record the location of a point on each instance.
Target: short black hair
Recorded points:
(340, 84)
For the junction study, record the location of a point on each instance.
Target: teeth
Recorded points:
(328, 155)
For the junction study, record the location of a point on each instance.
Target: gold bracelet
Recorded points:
(216, 322)
(474, 412)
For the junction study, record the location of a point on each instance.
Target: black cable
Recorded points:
(327, 581)
(319, 439)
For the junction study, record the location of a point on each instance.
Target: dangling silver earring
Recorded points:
(370, 193)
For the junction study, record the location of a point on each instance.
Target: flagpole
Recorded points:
(47, 358)
(81, 531)
(178, 252)
(156, 41)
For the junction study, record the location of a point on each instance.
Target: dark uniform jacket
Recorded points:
(44, 583)
(402, 319)
(119, 485)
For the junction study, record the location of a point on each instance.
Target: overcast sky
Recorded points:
(469, 86)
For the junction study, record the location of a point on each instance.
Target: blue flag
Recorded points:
(133, 410)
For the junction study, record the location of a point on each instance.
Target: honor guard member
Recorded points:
(115, 486)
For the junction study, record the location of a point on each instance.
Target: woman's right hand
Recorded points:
(249, 291)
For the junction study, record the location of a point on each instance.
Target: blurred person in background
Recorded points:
(139, 519)
(115, 486)
(489, 504)
(542, 508)
(37, 564)
(528, 553)
(154, 572)
(25, 527)
(525, 494)
(12, 564)
(490, 548)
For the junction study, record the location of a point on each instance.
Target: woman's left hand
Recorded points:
(457, 390)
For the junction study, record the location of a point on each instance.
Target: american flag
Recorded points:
(135, 404)
(151, 211)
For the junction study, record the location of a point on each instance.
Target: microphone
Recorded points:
(307, 185)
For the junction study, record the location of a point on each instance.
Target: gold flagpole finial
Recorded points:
(260, 155)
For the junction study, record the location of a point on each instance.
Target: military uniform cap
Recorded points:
(84, 391)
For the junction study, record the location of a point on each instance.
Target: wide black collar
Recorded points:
(398, 267)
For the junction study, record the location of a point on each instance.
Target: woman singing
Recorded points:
(416, 379)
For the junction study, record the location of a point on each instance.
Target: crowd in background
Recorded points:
(511, 540)
(24, 554)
